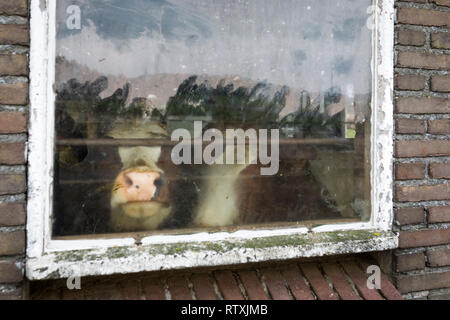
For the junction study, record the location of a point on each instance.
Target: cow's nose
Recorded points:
(141, 185)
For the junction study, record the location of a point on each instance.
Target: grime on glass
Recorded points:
(176, 116)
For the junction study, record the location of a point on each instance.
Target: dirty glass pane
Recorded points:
(186, 115)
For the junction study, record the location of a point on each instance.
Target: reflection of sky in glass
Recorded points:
(307, 44)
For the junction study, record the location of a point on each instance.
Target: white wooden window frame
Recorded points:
(47, 258)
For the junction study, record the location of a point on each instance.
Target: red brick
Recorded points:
(12, 214)
(406, 216)
(441, 126)
(103, 291)
(203, 287)
(252, 285)
(440, 83)
(439, 296)
(445, 3)
(440, 170)
(13, 65)
(13, 122)
(49, 293)
(409, 126)
(409, 171)
(387, 289)
(424, 238)
(14, 93)
(419, 148)
(153, 289)
(421, 282)
(130, 289)
(74, 294)
(416, 105)
(227, 285)
(14, 34)
(439, 257)
(360, 280)
(439, 214)
(318, 282)
(409, 82)
(423, 17)
(275, 284)
(296, 283)
(12, 243)
(14, 7)
(340, 283)
(440, 40)
(179, 288)
(411, 38)
(11, 295)
(10, 273)
(12, 153)
(423, 60)
(12, 184)
(408, 262)
(422, 193)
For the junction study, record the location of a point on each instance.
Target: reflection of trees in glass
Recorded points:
(82, 113)
(83, 208)
(253, 107)
(95, 115)
(309, 121)
(241, 107)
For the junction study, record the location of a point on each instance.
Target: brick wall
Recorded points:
(422, 148)
(14, 42)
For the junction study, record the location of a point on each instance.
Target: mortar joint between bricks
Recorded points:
(419, 5)
(13, 19)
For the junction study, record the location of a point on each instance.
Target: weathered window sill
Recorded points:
(144, 258)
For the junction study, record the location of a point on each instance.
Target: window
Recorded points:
(179, 133)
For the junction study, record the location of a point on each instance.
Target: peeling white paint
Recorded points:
(138, 259)
(64, 245)
(382, 117)
(222, 236)
(48, 258)
(38, 165)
